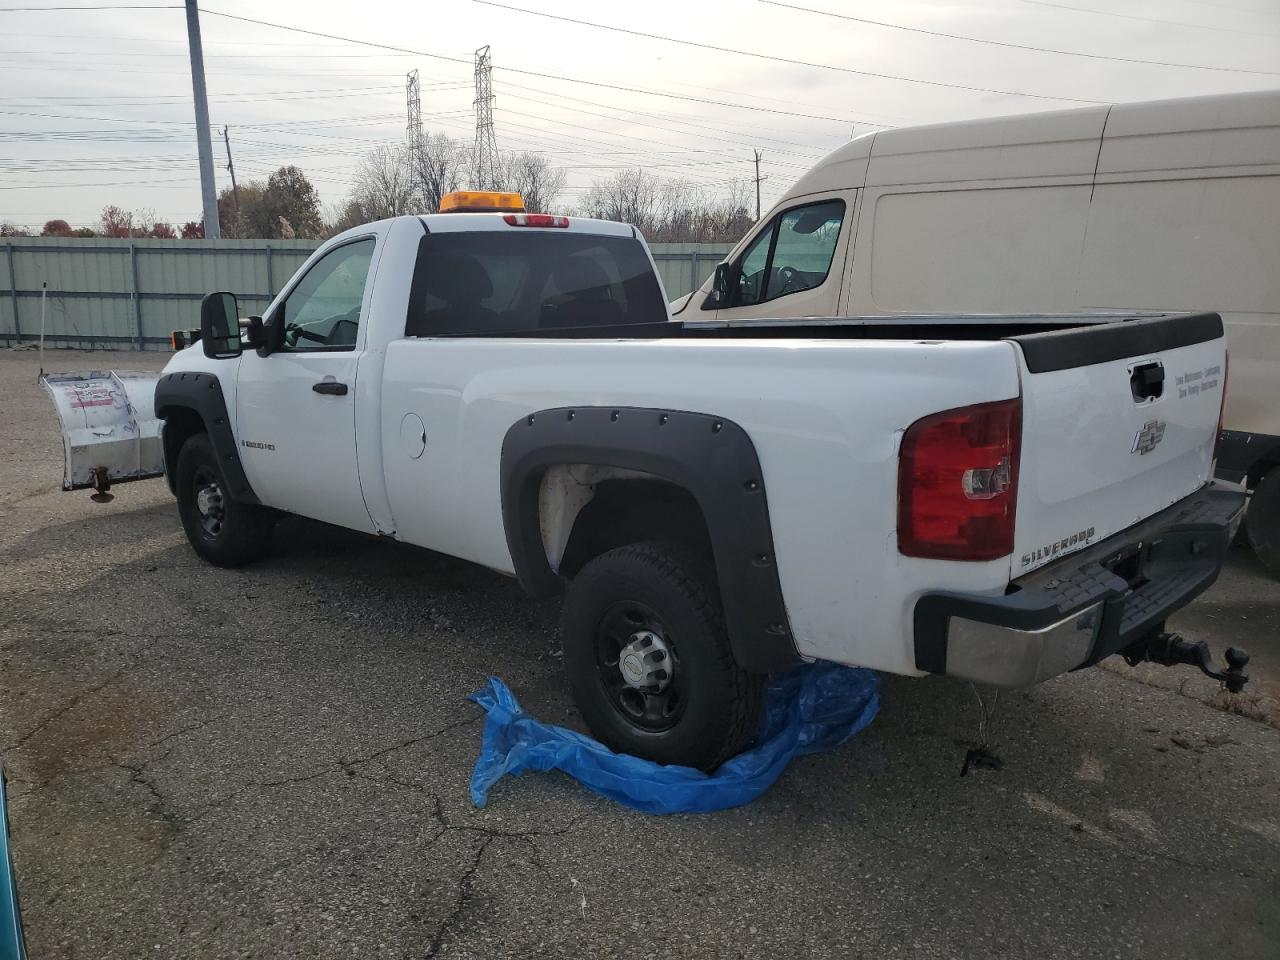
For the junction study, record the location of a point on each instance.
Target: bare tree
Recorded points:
(384, 184)
(440, 168)
(536, 180)
(681, 213)
(671, 211)
(629, 195)
(730, 216)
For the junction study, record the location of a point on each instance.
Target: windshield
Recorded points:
(521, 280)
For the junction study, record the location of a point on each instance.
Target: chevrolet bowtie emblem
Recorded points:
(1146, 439)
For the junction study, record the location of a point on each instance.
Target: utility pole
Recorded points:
(757, 156)
(208, 192)
(231, 169)
(484, 159)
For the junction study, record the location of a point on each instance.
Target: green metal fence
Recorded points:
(129, 294)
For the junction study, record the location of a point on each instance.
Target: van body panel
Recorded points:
(1167, 206)
(969, 250)
(1034, 146)
(841, 169)
(1223, 135)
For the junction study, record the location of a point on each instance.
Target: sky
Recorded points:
(96, 104)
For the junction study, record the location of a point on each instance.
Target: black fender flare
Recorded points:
(202, 394)
(711, 457)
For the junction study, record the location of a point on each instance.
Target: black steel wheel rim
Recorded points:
(651, 709)
(209, 504)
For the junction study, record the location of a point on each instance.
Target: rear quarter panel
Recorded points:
(826, 418)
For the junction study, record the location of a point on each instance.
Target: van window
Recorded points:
(792, 254)
(498, 281)
(751, 274)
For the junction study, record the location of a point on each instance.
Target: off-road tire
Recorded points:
(245, 530)
(721, 702)
(1262, 522)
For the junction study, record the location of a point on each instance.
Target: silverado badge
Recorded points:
(1146, 439)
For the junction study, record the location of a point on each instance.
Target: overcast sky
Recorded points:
(95, 105)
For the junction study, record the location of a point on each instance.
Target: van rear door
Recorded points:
(1119, 421)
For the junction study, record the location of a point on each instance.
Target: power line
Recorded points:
(105, 6)
(336, 91)
(743, 142)
(109, 38)
(185, 181)
(531, 73)
(1018, 46)
(787, 60)
(606, 133)
(666, 117)
(216, 56)
(1134, 16)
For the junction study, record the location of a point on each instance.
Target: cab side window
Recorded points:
(793, 253)
(323, 311)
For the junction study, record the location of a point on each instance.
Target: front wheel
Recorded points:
(222, 531)
(1262, 522)
(648, 657)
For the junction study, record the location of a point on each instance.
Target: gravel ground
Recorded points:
(273, 762)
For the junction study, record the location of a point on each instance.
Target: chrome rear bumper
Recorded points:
(1084, 607)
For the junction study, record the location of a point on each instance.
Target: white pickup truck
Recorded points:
(1000, 499)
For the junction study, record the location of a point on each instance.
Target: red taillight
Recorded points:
(535, 220)
(1222, 404)
(958, 482)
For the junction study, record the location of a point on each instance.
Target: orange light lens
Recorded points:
(481, 201)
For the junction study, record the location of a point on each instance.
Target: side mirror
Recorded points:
(720, 288)
(220, 326)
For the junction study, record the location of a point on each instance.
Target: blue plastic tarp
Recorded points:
(810, 709)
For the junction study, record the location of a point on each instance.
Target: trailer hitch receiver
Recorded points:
(1170, 649)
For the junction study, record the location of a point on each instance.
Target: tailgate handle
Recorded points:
(1147, 381)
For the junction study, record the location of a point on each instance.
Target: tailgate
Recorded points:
(1119, 422)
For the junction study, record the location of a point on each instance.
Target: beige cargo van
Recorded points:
(1170, 205)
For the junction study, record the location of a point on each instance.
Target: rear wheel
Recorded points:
(1262, 522)
(649, 660)
(222, 531)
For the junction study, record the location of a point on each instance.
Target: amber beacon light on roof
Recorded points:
(481, 201)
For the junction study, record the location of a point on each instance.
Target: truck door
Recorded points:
(295, 407)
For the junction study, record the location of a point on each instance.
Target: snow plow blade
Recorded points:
(110, 433)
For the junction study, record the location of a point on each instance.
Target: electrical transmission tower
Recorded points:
(413, 131)
(484, 157)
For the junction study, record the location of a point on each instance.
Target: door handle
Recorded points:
(1147, 381)
(330, 387)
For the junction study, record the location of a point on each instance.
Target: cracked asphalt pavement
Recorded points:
(273, 762)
